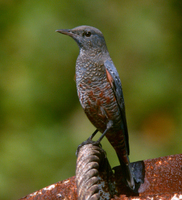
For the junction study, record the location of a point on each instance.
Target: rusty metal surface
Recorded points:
(163, 175)
(163, 180)
(61, 190)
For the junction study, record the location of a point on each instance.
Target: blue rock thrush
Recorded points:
(100, 92)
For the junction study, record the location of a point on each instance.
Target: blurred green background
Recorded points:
(41, 120)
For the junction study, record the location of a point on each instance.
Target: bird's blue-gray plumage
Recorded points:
(100, 92)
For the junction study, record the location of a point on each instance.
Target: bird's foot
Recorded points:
(89, 141)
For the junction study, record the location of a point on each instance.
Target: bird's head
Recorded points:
(88, 38)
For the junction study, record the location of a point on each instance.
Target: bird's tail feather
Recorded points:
(127, 173)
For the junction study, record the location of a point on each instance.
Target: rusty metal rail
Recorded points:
(95, 179)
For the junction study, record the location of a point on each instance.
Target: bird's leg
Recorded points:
(93, 134)
(109, 125)
(88, 141)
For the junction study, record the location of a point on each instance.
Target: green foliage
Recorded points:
(41, 121)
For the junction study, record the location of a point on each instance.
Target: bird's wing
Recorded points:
(114, 80)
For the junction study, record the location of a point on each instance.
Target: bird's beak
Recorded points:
(65, 32)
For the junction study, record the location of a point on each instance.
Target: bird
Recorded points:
(100, 92)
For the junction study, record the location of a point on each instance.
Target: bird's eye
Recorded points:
(87, 34)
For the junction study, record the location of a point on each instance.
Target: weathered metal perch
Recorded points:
(95, 179)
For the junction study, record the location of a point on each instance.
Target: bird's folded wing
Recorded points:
(114, 80)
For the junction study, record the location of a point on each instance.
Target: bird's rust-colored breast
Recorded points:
(99, 102)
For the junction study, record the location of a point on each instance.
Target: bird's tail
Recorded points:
(121, 146)
(127, 171)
